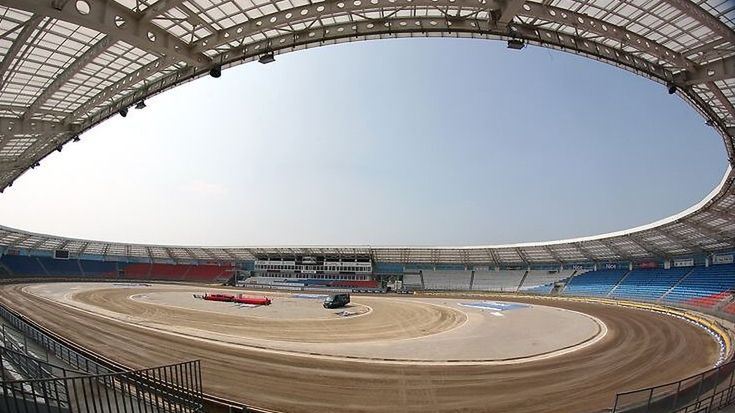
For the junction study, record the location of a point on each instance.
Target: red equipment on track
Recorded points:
(240, 299)
(219, 297)
(244, 299)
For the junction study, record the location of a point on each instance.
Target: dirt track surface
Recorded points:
(408, 320)
(641, 349)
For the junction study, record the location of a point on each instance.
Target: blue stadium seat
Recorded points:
(98, 268)
(597, 283)
(648, 284)
(60, 267)
(704, 286)
(23, 265)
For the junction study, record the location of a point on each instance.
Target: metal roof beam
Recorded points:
(707, 231)
(291, 40)
(722, 99)
(553, 254)
(706, 48)
(70, 71)
(584, 251)
(465, 254)
(38, 243)
(229, 254)
(614, 248)
(83, 248)
(19, 110)
(692, 10)
(655, 252)
(195, 20)
(523, 256)
(334, 32)
(435, 256)
(167, 251)
(311, 12)
(720, 69)
(508, 12)
(11, 166)
(723, 213)
(63, 244)
(584, 23)
(116, 20)
(18, 126)
(493, 256)
(681, 241)
(207, 254)
(28, 27)
(119, 86)
(424, 26)
(20, 240)
(158, 8)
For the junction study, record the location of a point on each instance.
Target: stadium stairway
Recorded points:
(413, 281)
(5, 271)
(542, 281)
(615, 287)
(594, 283)
(676, 284)
(523, 279)
(447, 279)
(23, 265)
(503, 280)
(647, 284)
(703, 286)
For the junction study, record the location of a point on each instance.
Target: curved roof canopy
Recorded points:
(66, 65)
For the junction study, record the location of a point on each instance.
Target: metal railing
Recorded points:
(18, 365)
(705, 392)
(174, 388)
(57, 347)
(91, 384)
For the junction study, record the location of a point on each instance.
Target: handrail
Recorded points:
(213, 403)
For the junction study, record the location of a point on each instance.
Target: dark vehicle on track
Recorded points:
(336, 300)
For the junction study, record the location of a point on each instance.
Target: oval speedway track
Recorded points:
(407, 319)
(641, 349)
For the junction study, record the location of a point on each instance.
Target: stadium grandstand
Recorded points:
(68, 65)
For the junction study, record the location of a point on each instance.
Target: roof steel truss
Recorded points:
(139, 50)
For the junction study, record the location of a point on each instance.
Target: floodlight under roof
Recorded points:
(123, 112)
(140, 105)
(516, 44)
(671, 88)
(75, 138)
(215, 71)
(267, 58)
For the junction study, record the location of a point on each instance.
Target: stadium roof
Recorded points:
(67, 65)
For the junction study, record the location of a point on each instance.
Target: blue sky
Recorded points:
(410, 141)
